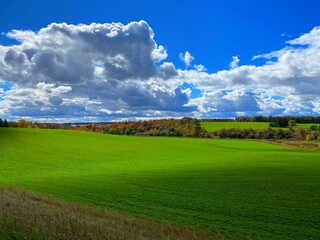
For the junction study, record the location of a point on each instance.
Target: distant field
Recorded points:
(306, 125)
(243, 189)
(216, 126)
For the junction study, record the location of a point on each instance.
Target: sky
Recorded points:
(93, 61)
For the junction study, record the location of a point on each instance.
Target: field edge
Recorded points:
(30, 215)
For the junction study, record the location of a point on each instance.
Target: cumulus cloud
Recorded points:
(226, 103)
(84, 69)
(288, 83)
(186, 58)
(115, 71)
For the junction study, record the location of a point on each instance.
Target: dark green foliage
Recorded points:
(292, 123)
(254, 134)
(279, 122)
(298, 134)
(217, 120)
(4, 123)
(315, 128)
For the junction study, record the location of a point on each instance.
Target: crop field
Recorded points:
(238, 189)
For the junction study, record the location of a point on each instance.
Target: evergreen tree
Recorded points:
(5, 123)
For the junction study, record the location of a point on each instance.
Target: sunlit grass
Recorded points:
(237, 188)
(216, 126)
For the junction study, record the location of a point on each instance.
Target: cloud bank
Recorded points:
(102, 72)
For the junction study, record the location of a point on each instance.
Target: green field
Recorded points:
(306, 125)
(216, 126)
(244, 189)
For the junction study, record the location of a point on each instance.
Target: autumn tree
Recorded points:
(22, 123)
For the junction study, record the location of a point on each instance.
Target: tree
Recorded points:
(1, 123)
(5, 123)
(23, 124)
(292, 123)
(314, 128)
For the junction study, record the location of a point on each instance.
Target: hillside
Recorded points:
(235, 188)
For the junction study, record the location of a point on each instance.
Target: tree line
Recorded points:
(217, 120)
(185, 127)
(297, 119)
(278, 121)
(4, 123)
(296, 134)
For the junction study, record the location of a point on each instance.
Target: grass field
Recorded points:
(32, 216)
(216, 126)
(244, 189)
(306, 125)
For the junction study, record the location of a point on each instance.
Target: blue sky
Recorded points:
(200, 39)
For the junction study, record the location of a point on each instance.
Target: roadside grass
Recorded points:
(231, 188)
(26, 215)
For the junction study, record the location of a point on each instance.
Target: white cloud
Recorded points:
(293, 74)
(105, 111)
(312, 38)
(159, 54)
(226, 103)
(115, 71)
(81, 69)
(187, 58)
(200, 68)
(316, 106)
(235, 62)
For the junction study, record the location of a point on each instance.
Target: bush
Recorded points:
(314, 128)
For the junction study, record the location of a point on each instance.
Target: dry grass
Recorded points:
(304, 145)
(25, 215)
